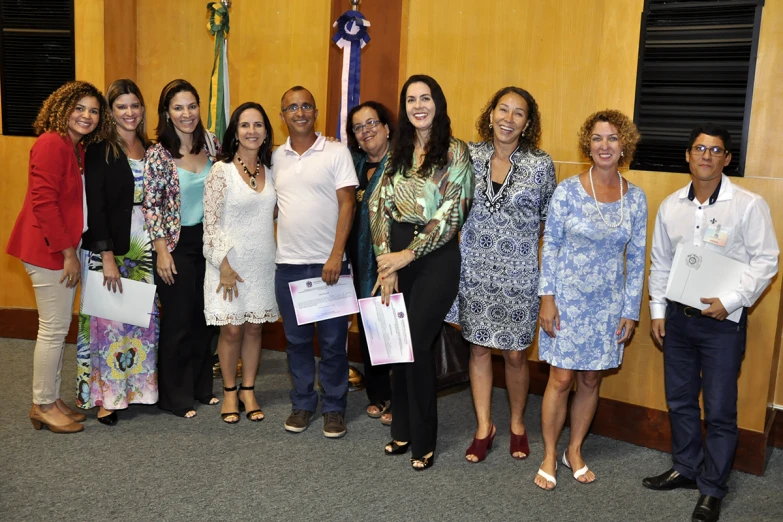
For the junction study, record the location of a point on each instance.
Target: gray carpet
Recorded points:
(154, 466)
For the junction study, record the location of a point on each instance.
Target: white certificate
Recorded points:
(697, 272)
(387, 330)
(133, 306)
(315, 301)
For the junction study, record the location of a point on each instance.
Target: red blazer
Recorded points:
(52, 217)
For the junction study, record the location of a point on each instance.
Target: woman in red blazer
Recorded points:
(48, 232)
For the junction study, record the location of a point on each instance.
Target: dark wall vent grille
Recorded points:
(697, 61)
(36, 57)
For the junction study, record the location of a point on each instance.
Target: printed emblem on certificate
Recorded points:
(316, 301)
(387, 330)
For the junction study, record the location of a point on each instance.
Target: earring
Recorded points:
(490, 125)
(168, 118)
(387, 136)
(113, 122)
(523, 134)
(622, 153)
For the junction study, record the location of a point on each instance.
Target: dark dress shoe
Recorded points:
(707, 509)
(668, 481)
(109, 420)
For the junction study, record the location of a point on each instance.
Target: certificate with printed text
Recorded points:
(387, 330)
(315, 301)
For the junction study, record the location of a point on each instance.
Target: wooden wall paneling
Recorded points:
(766, 116)
(380, 58)
(15, 287)
(119, 40)
(574, 57)
(88, 41)
(172, 42)
(274, 46)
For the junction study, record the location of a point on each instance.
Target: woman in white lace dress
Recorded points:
(239, 245)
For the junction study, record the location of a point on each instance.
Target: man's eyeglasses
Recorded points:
(370, 125)
(715, 151)
(306, 107)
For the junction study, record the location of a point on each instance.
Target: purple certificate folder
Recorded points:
(316, 301)
(387, 330)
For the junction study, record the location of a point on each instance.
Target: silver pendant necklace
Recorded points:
(598, 207)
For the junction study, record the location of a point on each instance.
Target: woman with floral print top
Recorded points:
(174, 172)
(415, 215)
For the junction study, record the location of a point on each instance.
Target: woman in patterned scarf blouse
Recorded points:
(415, 215)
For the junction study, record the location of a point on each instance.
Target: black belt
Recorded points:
(688, 311)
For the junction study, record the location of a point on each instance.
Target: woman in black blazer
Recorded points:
(116, 361)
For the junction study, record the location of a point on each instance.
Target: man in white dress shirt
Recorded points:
(702, 351)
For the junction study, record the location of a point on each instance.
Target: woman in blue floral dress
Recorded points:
(498, 302)
(592, 270)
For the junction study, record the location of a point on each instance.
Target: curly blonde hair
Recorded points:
(626, 131)
(57, 109)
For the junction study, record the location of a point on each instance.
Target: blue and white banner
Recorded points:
(351, 37)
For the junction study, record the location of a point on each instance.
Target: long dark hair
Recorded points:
(231, 143)
(116, 89)
(167, 134)
(384, 116)
(437, 155)
(531, 137)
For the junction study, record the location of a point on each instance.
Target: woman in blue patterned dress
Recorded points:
(592, 270)
(116, 361)
(498, 305)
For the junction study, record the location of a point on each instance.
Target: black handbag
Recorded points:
(452, 356)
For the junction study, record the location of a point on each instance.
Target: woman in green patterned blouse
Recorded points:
(415, 215)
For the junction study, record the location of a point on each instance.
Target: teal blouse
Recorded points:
(191, 188)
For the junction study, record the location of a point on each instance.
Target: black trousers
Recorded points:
(701, 354)
(184, 347)
(429, 286)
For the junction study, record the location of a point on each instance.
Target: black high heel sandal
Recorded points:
(250, 414)
(396, 448)
(427, 461)
(225, 416)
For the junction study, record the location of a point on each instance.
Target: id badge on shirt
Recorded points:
(717, 235)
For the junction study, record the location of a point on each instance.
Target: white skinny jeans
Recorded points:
(55, 309)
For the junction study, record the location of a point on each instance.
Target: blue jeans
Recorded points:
(703, 354)
(332, 338)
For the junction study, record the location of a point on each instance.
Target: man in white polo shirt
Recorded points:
(315, 182)
(703, 349)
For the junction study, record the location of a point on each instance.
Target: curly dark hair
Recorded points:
(437, 155)
(626, 131)
(384, 116)
(231, 142)
(116, 89)
(58, 107)
(166, 133)
(531, 136)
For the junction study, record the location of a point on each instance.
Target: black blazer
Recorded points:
(109, 187)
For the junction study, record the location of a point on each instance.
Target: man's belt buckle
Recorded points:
(690, 311)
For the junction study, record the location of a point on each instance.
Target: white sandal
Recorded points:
(548, 478)
(578, 473)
